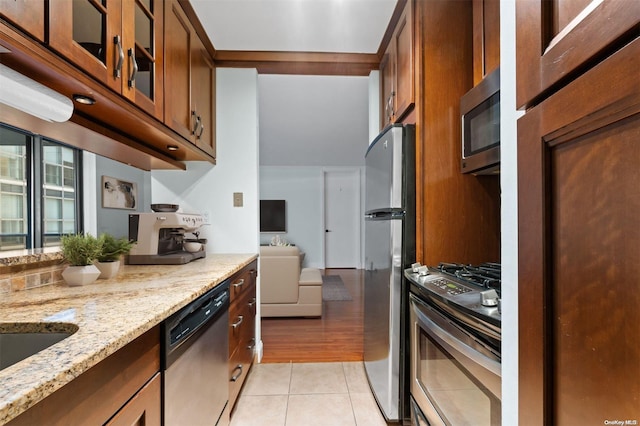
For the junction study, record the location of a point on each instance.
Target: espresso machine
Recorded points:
(160, 238)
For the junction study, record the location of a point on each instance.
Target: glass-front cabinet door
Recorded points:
(118, 42)
(88, 33)
(142, 82)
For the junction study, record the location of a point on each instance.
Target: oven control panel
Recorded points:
(450, 287)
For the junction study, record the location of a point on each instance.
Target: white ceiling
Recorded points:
(345, 26)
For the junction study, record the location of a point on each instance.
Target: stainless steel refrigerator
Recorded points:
(389, 249)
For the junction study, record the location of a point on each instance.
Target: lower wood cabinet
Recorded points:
(144, 409)
(242, 314)
(124, 386)
(579, 233)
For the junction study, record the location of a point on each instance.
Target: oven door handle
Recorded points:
(450, 342)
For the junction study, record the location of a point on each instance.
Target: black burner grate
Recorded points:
(486, 275)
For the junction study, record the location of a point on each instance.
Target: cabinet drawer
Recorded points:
(239, 366)
(244, 281)
(242, 320)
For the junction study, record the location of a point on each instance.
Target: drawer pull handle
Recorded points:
(236, 324)
(252, 344)
(237, 376)
(240, 283)
(252, 303)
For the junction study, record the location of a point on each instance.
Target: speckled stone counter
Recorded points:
(108, 315)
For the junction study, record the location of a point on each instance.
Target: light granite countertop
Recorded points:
(108, 313)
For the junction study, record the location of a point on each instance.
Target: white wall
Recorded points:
(302, 188)
(311, 120)
(208, 189)
(116, 221)
(509, 212)
(205, 188)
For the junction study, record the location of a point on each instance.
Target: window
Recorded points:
(39, 190)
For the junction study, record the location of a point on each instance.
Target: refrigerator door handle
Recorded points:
(385, 214)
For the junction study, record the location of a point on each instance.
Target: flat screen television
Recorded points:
(273, 216)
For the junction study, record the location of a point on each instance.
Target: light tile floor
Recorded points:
(309, 394)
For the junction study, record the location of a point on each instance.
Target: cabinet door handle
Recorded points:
(119, 57)
(237, 323)
(134, 66)
(240, 283)
(237, 376)
(201, 130)
(252, 303)
(196, 123)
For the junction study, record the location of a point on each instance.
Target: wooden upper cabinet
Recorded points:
(25, 14)
(189, 81)
(89, 34)
(177, 62)
(397, 70)
(557, 39)
(403, 40)
(143, 82)
(204, 103)
(486, 38)
(119, 43)
(387, 83)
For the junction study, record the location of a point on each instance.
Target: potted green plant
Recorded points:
(80, 250)
(108, 262)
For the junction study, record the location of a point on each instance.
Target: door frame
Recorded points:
(358, 172)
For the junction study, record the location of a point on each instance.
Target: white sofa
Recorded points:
(286, 290)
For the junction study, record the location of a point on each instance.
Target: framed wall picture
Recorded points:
(118, 194)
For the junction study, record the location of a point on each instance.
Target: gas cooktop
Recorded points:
(461, 290)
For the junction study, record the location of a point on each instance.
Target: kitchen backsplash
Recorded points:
(23, 272)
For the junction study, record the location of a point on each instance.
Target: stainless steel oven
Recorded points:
(455, 366)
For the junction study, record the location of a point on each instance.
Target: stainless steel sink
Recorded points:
(21, 341)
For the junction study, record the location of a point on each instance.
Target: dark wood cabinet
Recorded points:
(190, 81)
(557, 40)
(26, 14)
(451, 207)
(89, 34)
(144, 409)
(127, 122)
(125, 384)
(204, 102)
(579, 227)
(117, 42)
(242, 317)
(486, 38)
(397, 70)
(143, 41)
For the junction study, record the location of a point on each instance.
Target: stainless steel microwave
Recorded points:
(480, 111)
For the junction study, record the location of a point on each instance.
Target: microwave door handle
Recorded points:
(447, 340)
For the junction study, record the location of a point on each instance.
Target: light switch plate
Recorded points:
(237, 199)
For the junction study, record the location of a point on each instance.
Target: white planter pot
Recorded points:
(80, 275)
(108, 269)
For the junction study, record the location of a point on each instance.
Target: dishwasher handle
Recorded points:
(199, 312)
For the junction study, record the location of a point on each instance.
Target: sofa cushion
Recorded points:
(310, 276)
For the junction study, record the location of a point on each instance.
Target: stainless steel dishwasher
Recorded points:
(195, 361)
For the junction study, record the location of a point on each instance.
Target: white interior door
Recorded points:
(342, 218)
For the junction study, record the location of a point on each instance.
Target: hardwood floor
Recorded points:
(337, 336)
